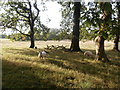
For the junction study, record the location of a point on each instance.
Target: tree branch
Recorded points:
(22, 32)
(22, 20)
(21, 14)
(35, 6)
(16, 9)
(17, 30)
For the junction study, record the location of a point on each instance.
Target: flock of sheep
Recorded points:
(43, 54)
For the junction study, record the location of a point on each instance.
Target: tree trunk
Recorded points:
(116, 43)
(75, 36)
(32, 41)
(32, 36)
(99, 40)
(100, 52)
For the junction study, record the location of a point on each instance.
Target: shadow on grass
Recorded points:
(113, 55)
(25, 51)
(24, 76)
(109, 72)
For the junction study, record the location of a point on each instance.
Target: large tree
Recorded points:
(106, 8)
(75, 36)
(20, 15)
(117, 31)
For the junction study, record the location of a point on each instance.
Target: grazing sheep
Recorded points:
(88, 53)
(42, 54)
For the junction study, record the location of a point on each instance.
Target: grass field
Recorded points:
(21, 68)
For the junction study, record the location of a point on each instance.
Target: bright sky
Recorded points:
(53, 13)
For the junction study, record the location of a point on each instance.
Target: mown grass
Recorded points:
(61, 69)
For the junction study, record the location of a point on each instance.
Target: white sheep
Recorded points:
(42, 54)
(88, 53)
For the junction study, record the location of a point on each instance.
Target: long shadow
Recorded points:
(112, 54)
(25, 51)
(78, 63)
(24, 76)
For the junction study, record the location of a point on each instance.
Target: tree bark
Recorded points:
(32, 41)
(100, 51)
(116, 43)
(32, 19)
(75, 36)
(99, 40)
(32, 35)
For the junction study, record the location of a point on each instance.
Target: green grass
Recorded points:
(61, 69)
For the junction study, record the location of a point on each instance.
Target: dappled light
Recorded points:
(47, 44)
(59, 69)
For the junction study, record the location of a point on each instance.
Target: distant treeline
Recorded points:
(3, 36)
(52, 35)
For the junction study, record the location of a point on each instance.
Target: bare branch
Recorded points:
(22, 32)
(35, 6)
(17, 30)
(16, 9)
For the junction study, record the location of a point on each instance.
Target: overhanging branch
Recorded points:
(18, 30)
(35, 6)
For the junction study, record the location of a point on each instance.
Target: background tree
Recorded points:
(116, 27)
(17, 37)
(21, 14)
(67, 16)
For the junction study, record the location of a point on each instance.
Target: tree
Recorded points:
(89, 20)
(67, 16)
(106, 8)
(117, 33)
(71, 15)
(21, 14)
(75, 36)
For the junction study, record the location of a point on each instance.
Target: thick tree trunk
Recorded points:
(100, 52)
(32, 36)
(32, 41)
(75, 37)
(116, 43)
(99, 40)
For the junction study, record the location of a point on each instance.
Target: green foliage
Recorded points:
(67, 16)
(115, 23)
(56, 35)
(18, 37)
(91, 19)
(13, 17)
(64, 35)
(53, 35)
(87, 34)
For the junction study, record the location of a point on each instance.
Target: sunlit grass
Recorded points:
(23, 69)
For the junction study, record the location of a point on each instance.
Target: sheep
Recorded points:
(42, 54)
(88, 53)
